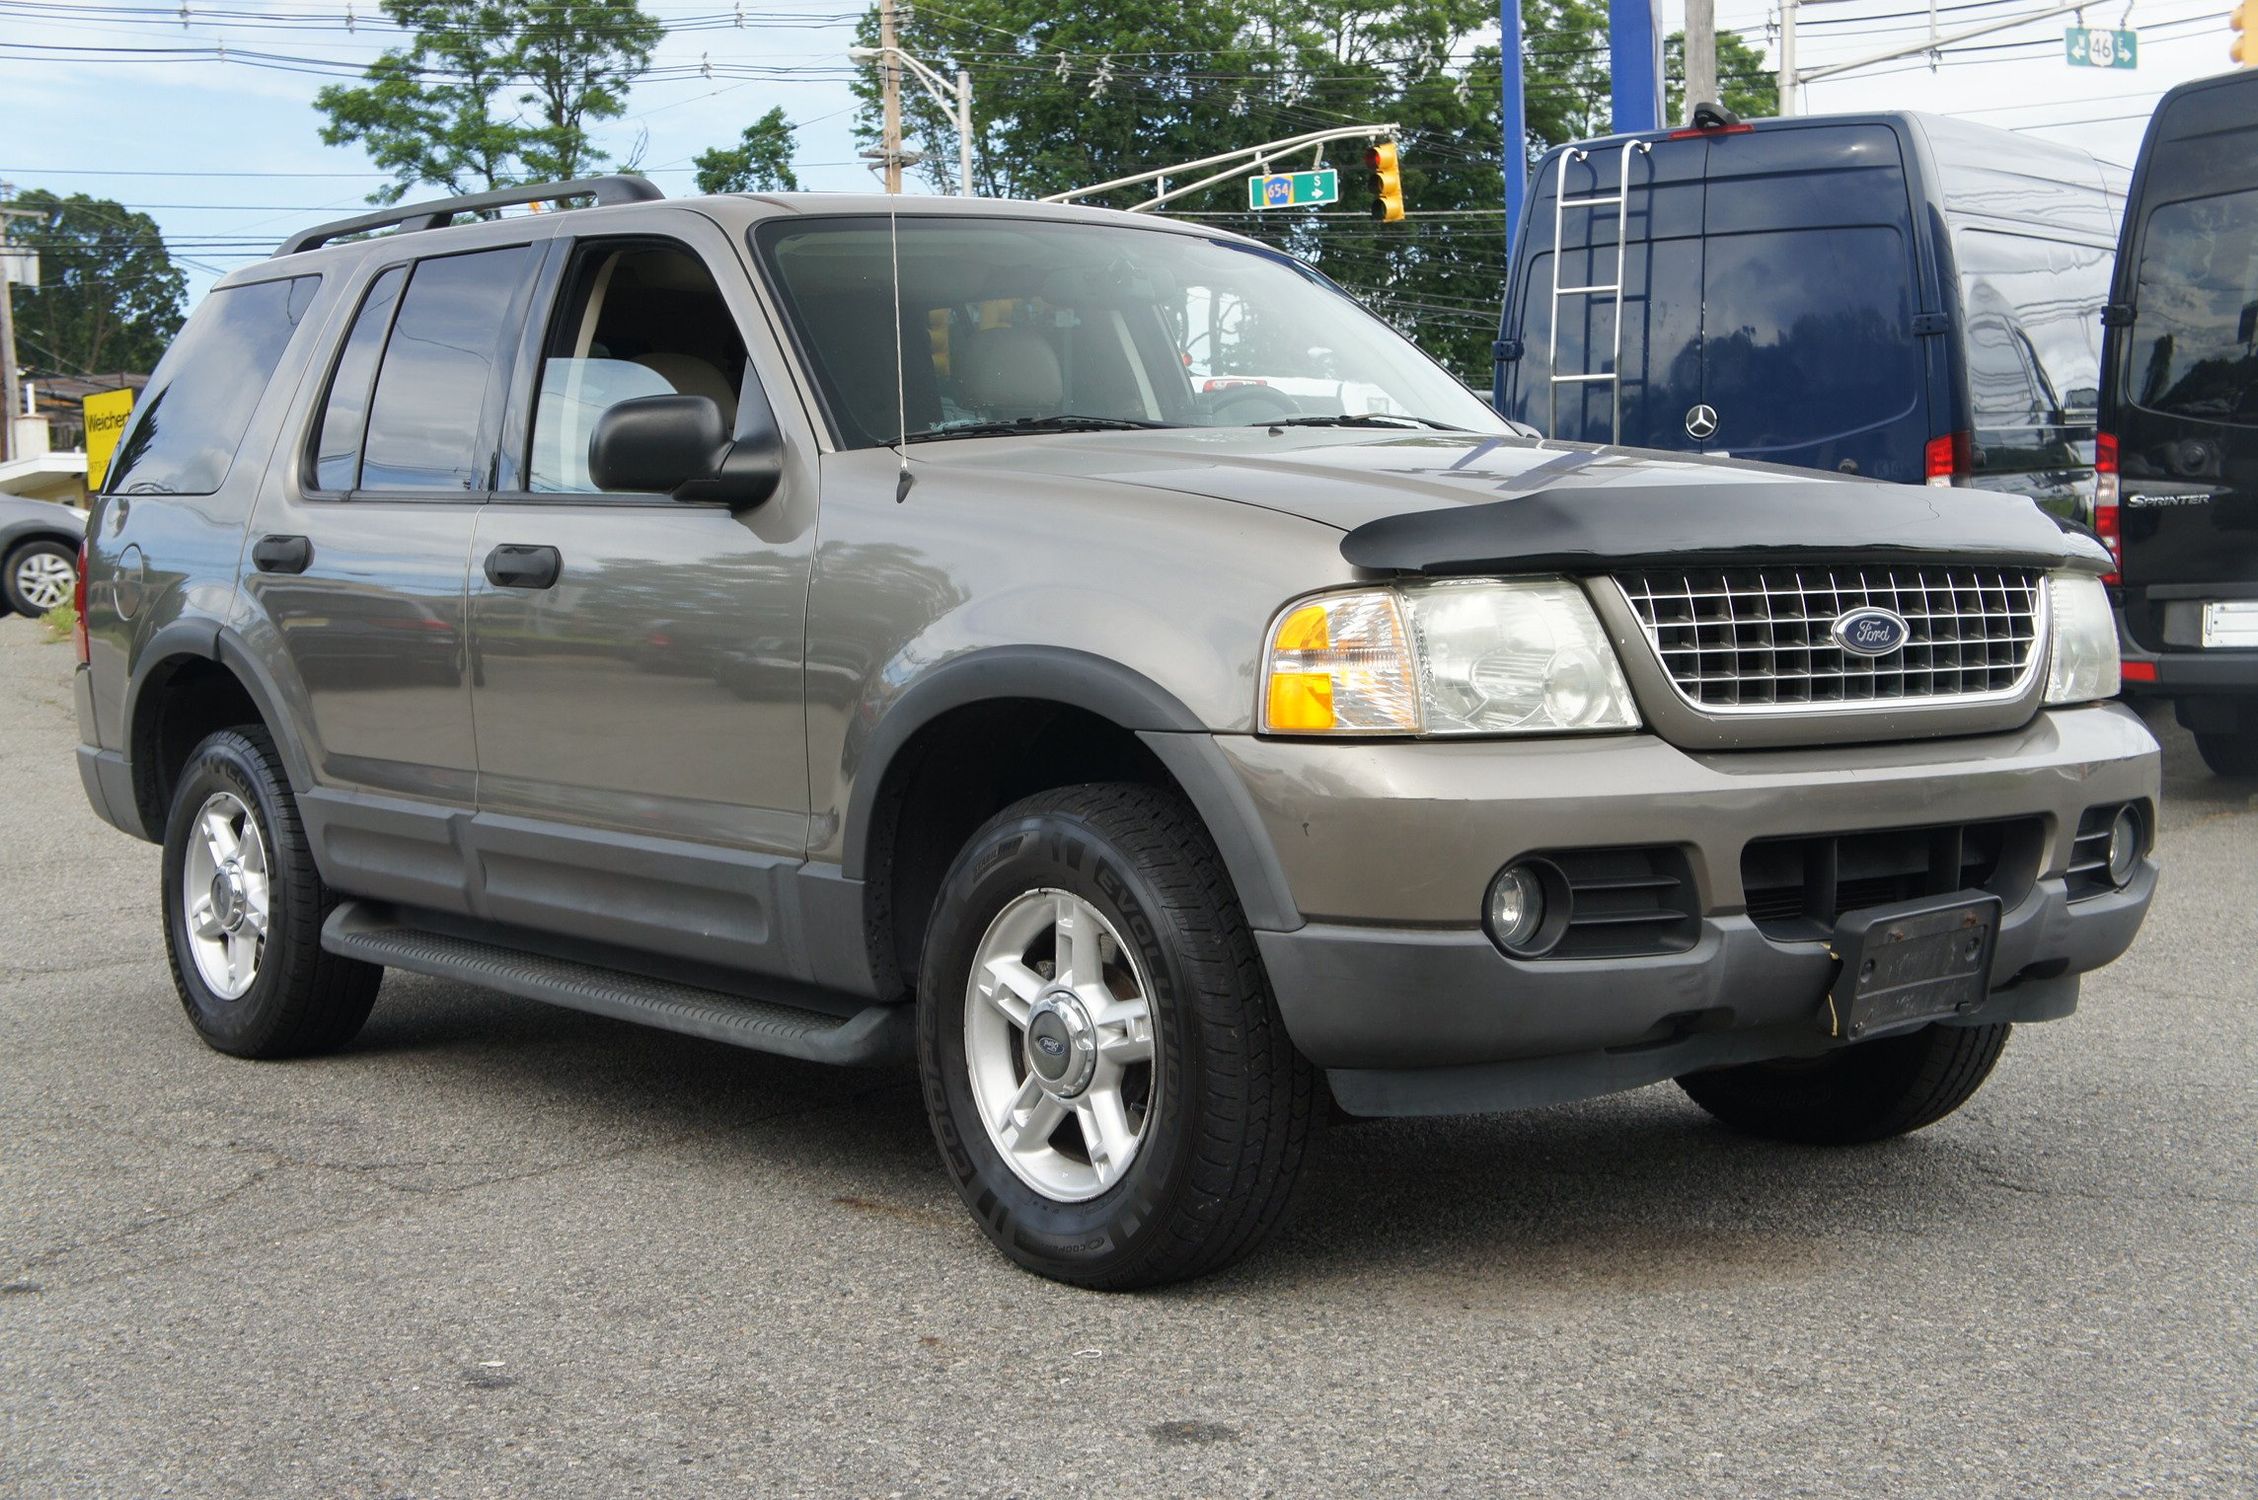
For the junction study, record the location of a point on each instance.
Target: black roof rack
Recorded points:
(440, 211)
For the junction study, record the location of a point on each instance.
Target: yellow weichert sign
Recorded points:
(106, 412)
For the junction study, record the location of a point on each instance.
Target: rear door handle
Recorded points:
(282, 554)
(514, 567)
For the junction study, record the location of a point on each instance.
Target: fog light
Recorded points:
(2124, 846)
(1527, 908)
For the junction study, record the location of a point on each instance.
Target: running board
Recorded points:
(878, 1035)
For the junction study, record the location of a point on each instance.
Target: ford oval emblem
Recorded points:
(1870, 631)
(1051, 1046)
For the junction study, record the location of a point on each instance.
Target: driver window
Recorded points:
(637, 319)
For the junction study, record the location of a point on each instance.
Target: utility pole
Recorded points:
(11, 394)
(891, 84)
(1701, 55)
(1787, 58)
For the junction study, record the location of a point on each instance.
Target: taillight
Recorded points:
(2107, 524)
(78, 607)
(2137, 671)
(1950, 456)
(1696, 132)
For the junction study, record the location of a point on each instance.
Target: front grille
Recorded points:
(1798, 888)
(1760, 639)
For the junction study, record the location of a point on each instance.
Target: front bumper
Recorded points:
(1388, 848)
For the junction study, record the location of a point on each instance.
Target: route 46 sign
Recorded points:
(2093, 47)
(1293, 189)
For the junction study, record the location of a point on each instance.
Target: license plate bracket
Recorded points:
(1910, 963)
(2231, 625)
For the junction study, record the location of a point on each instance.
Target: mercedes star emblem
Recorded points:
(1701, 422)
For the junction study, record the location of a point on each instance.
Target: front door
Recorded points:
(637, 660)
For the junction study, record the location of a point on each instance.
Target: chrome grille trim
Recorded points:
(1756, 640)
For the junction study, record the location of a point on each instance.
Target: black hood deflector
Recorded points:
(1585, 528)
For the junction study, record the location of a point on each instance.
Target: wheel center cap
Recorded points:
(1062, 1046)
(227, 897)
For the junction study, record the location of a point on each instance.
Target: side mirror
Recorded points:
(679, 446)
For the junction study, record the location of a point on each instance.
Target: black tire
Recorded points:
(2229, 754)
(1866, 1092)
(12, 590)
(1236, 1102)
(302, 999)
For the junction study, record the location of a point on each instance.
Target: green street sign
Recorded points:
(2097, 47)
(1293, 189)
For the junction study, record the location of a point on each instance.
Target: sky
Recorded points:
(214, 133)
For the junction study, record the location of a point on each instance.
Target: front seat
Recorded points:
(692, 376)
(1013, 372)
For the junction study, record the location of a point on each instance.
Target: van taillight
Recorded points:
(2106, 522)
(78, 607)
(1950, 456)
(1697, 132)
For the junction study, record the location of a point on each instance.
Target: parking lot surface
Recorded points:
(499, 1249)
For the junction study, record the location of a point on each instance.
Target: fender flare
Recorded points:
(1121, 696)
(206, 640)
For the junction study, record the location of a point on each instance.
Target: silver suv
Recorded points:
(1090, 654)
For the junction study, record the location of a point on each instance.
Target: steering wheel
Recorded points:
(1256, 403)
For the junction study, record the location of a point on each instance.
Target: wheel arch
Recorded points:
(1071, 716)
(194, 677)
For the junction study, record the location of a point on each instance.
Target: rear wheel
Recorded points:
(1868, 1092)
(39, 576)
(2229, 754)
(1105, 1072)
(244, 908)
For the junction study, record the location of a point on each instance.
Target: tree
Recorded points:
(1749, 84)
(489, 93)
(760, 162)
(109, 297)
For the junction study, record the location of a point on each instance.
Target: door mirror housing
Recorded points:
(680, 446)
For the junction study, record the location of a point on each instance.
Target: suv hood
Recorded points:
(1446, 503)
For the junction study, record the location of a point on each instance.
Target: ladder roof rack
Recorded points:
(438, 212)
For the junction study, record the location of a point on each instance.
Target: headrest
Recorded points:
(692, 376)
(1012, 372)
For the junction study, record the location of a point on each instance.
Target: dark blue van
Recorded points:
(1902, 296)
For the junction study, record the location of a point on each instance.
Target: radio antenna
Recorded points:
(902, 480)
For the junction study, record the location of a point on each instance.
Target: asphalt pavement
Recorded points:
(500, 1249)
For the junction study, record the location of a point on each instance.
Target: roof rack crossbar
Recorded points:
(409, 217)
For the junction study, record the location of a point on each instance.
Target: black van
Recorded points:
(1897, 295)
(2177, 492)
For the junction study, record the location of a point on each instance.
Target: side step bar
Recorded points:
(880, 1034)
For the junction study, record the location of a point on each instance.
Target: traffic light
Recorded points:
(2244, 48)
(1387, 182)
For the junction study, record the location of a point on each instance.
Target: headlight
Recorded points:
(2082, 665)
(1479, 657)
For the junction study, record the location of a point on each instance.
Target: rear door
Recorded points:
(1807, 353)
(2182, 396)
(1660, 307)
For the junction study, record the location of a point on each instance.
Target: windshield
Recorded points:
(1026, 325)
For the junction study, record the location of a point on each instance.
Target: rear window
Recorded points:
(2195, 333)
(1803, 334)
(2034, 326)
(200, 400)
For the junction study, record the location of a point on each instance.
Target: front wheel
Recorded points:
(1867, 1092)
(38, 577)
(1106, 1075)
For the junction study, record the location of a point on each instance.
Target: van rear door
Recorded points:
(1808, 302)
(2182, 392)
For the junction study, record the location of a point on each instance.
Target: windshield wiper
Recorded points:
(1390, 419)
(1062, 423)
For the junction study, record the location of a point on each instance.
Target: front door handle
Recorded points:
(282, 554)
(514, 567)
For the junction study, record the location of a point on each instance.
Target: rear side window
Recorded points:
(344, 418)
(2034, 326)
(200, 400)
(2195, 332)
(450, 334)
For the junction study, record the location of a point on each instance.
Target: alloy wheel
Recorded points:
(224, 891)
